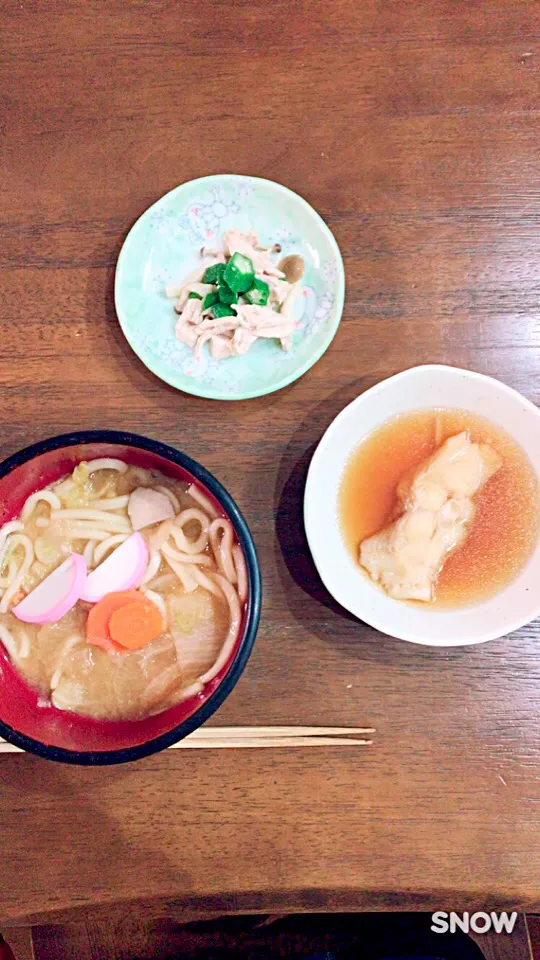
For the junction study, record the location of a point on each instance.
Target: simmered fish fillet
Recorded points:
(434, 509)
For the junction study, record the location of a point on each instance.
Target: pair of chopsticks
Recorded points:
(219, 738)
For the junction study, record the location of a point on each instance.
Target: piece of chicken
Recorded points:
(192, 312)
(235, 346)
(263, 321)
(435, 507)
(186, 332)
(241, 342)
(220, 347)
(278, 288)
(186, 325)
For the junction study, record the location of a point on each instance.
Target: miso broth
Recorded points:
(195, 577)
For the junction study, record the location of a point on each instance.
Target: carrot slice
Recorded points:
(136, 624)
(97, 623)
(108, 645)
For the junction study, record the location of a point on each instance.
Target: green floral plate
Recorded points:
(164, 246)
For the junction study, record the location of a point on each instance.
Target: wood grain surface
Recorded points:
(413, 128)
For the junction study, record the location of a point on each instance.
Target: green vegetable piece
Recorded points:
(258, 294)
(226, 295)
(222, 310)
(210, 275)
(220, 269)
(194, 296)
(210, 299)
(239, 273)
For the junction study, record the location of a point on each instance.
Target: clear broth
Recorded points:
(505, 527)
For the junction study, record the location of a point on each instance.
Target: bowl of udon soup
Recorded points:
(129, 597)
(422, 507)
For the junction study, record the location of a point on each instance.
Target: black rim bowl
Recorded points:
(229, 681)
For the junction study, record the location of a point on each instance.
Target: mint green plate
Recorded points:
(163, 247)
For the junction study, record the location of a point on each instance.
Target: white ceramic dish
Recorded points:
(417, 389)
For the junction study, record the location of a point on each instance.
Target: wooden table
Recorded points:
(413, 128)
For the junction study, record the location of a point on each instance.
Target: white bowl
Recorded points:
(417, 389)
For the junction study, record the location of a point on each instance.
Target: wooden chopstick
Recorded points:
(219, 738)
(252, 742)
(6, 747)
(204, 733)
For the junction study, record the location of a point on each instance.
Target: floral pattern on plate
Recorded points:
(164, 246)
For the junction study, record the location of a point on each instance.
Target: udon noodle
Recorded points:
(195, 577)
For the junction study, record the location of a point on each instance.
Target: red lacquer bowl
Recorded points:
(56, 734)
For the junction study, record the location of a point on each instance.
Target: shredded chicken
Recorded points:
(192, 312)
(233, 335)
(434, 509)
(188, 321)
(259, 318)
(220, 347)
(278, 288)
